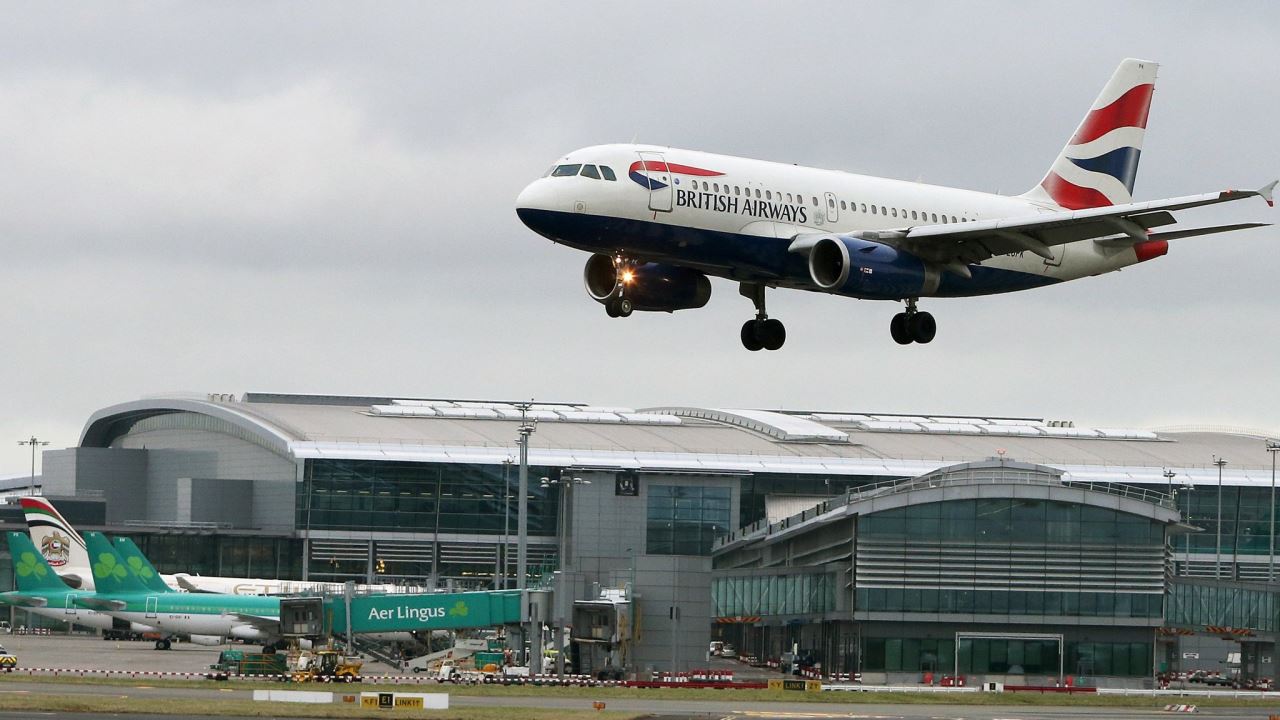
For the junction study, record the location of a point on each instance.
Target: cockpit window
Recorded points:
(607, 172)
(566, 170)
(591, 172)
(549, 171)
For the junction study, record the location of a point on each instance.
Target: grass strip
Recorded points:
(706, 694)
(250, 708)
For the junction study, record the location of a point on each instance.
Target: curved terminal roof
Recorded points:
(691, 439)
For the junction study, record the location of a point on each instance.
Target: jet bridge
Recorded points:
(409, 612)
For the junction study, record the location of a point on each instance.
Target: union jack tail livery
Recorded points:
(1099, 163)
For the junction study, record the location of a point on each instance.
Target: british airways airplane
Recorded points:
(659, 220)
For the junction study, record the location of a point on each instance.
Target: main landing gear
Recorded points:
(763, 333)
(912, 326)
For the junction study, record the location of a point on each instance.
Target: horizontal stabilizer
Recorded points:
(187, 585)
(95, 603)
(23, 600)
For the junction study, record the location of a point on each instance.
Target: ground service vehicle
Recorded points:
(239, 662)
(326, 666)
(8, 661)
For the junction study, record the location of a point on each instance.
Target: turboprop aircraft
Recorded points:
(659, 220)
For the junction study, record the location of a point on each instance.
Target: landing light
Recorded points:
(627, 276)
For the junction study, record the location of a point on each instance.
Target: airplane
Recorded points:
(65, 550)
(124, 591)
(41, 592)
(658, 221)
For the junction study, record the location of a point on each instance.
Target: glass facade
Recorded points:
(1246, 521)
(367, 495)
(223, 555)
(751, 505)
(1006, 656)
(685, 519)
(1010, 556)
(773, 595)
(1193, 604)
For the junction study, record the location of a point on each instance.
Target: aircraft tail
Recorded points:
(30, 568)
(139, 565)
(1098, 166)
(111, 573)
(58, 541)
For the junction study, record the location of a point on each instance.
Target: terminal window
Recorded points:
(685, 520)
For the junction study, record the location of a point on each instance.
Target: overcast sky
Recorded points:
(318, 198)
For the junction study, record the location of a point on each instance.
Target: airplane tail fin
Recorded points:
(30, 568)
(139, 565)
(1098, 166)
(57, 540)
(111, 573)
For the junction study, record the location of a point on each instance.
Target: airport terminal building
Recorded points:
(899, 559)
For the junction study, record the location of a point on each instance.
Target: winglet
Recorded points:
(1267, 191)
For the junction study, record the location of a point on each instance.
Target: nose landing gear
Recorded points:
(913, 325)
(764, 332)
(619, 305)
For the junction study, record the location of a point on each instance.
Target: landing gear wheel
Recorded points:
(772, 333)
(162, 644)
(899, 330)
(750, 338)
(922, 327)
(618, 307)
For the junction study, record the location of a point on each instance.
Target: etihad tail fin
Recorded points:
(30, 568)
(139, 565)
(58, 541)
(111, 574)
(1098, 166)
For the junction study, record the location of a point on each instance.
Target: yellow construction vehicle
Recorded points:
(325, 666)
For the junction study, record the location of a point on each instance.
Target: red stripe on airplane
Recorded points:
(1072, 196)
(1128, 110)
(656, 166)
(1150, 249)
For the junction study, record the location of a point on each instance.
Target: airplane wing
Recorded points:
(94, 603)
(13, 598)
(261, 622)
(955, 245)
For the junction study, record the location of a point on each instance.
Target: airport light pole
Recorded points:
(522, 531)
(1217, 562)
(34, 442)
(506, 523)
(1273, 447)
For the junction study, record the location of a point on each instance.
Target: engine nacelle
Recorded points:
(866, 269)
(652, 287)
(208, 639)
(247, 632)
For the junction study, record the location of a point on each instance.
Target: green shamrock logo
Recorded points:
(138, 569)
(459, 609)
(107, 567)
(28, 565)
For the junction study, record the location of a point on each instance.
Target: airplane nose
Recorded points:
(533, 203)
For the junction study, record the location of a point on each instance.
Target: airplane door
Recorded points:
(833, 213)
(153, 606)
(71, 605)
(659, 180)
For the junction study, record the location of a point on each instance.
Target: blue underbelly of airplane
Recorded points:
(735, 256)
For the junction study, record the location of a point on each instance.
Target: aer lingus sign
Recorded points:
(386, 613)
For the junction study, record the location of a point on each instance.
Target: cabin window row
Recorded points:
(918, 215)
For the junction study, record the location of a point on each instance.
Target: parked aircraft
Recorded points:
(659, 220)
(42, 592)
(123, 592)
(64, 548)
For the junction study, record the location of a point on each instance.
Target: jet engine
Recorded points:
(867, 269)
(652, 287)
(208, 639)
